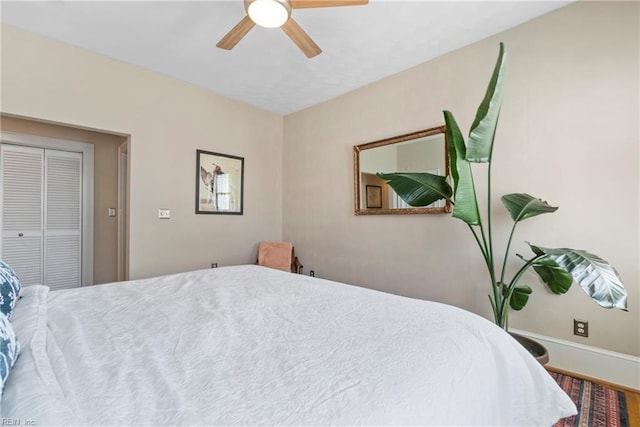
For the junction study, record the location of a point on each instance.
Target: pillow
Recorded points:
(9, 289)
(9, 349)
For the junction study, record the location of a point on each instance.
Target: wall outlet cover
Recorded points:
(164, 213)
(581, 328)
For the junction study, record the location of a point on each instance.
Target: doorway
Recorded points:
(105, 203)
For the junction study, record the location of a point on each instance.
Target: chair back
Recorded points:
(278, 255)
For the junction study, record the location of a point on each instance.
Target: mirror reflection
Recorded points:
(422, 151)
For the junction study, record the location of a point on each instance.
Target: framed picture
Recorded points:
(374, 196)
(219, 183)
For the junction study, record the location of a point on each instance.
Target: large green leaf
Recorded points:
(596, 277)
(522, 206)
(519, 297)
(483, 129)
(558, 279)
(418, 189)
(466, 204)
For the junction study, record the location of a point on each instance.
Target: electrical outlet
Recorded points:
(112, 211)
(581, 328)
(164, 213)
(214, 265)
(312, 273)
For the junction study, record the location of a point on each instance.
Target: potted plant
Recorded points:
(558, 268)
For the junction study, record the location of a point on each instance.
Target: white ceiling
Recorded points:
(360, 44)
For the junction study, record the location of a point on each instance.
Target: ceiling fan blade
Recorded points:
(300, 38)
(305, 4)
(236, 34)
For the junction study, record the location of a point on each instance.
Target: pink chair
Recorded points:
(279, 255)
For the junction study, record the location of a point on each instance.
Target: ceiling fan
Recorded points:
(277, 13)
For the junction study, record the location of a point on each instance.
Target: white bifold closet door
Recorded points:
(41, 215)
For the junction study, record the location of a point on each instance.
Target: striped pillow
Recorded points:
(9, 289)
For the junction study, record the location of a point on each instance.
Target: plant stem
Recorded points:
(506, 253)
(482, 249)
(505, 319)
(492, 270)
(488, 258)
(514, 281)
(489, 213)
(486, 247)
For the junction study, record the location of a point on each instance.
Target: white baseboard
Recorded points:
(616, 368)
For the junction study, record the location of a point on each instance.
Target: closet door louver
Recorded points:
(63, 219)
(21, 221)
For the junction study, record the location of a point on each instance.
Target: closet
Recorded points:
(41, 214)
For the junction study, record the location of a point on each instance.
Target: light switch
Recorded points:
(164, 213)
(112, 211)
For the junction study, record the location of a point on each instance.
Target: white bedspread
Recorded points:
(253, 346)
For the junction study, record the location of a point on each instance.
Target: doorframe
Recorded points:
(87, 151)
(123, 211)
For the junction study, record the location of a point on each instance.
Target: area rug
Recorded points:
(598, 405)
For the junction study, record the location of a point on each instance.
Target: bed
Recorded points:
(250, 345)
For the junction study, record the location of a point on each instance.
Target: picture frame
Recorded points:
(374, 196)
(219, 183)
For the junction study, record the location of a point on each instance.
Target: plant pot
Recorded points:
(537, 350)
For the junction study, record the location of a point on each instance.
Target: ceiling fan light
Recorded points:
(268, 13)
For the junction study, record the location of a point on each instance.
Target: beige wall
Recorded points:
(167, 120)
(568, 134)
(105, 193)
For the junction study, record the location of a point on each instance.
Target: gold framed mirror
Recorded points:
(421, 151)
